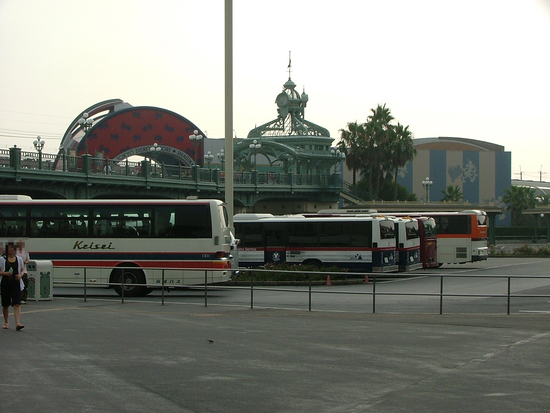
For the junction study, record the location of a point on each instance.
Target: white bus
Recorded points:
(131, 240)
(407, 243)
(461, 236)
(407, 237)
(356, 243)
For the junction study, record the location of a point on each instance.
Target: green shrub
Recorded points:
(292, 272)
(529, 250)
(539, 251)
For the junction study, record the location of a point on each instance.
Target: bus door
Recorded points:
(275, 248)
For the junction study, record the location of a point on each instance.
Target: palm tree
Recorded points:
(379, 135)
(517, 199)
(350, 145)
(452, 194)
(402, 151)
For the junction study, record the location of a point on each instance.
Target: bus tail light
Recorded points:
(221, 254)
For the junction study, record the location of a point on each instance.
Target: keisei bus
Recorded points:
(137, 241)
(356, 243)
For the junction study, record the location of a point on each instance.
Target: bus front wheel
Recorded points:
(132, 279)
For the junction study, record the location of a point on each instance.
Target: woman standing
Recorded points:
(11, 270)
(22, 252)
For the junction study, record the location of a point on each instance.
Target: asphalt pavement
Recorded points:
(105, 356)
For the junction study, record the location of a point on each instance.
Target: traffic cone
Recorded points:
(366, 279)
(328, 280)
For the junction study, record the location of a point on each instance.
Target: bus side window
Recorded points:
(335, 234)
(303, 234)
(250, 234)
(361, 234)
(103, 227)
(274, 235)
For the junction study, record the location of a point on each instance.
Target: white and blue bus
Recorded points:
(135, 241)
(355, 243)
(407, 243)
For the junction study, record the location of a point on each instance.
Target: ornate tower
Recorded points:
(290, 141)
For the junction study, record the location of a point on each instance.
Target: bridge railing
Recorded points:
(89, 165)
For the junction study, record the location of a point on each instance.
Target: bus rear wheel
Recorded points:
(133, 280)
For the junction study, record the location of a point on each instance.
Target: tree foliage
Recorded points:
(377, 148)
(517, 199)
(350, 145)
(452, 194)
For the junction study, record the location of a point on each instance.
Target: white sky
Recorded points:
(476, 69)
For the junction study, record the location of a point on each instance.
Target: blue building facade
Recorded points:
(482, 170)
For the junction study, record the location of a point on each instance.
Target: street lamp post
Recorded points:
(427, 183)
(337, 155)
(254, 148)
(208, 158)
(39, 145)
(196, 139)
(86, 123)
(155, 149)
(221, 157)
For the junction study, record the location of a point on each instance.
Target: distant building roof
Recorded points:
(541, 188)
(456, 144)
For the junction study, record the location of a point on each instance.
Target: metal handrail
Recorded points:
(370, 277)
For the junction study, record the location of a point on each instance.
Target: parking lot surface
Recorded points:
(104, 356)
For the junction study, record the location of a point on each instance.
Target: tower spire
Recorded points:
(289, 64)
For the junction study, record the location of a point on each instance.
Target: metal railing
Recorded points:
(309, 283)
(89, 165)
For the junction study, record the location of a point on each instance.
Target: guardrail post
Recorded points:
(162, 285)
(85, 295)
(251, 290)
(440, 294)
(122, 287)
(309, 279)
(205, 288)
(508, 299)
(373, 293)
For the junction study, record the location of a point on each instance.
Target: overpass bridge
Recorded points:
(42, 175)
(85, 177)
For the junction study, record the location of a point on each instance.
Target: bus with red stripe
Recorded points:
(138, 242)
(407, 244)
(407, 236)
(356, 243)
(428, 242)
(461, 236)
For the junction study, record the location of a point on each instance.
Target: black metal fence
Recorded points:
(311, 288)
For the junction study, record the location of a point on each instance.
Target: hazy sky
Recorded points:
(476, 69)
